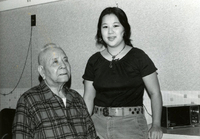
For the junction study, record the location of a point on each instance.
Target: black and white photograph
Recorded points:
(99, 69)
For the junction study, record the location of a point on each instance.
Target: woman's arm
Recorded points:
(89, 95)
(153, 88)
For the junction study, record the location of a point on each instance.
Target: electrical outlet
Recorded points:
(33, 20)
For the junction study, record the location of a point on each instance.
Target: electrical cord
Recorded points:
(23, 67)
(147, 110)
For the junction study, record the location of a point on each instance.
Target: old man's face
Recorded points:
(56, 68)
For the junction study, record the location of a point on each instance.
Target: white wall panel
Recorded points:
(14, 4)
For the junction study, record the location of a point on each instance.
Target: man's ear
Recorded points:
(41, 71)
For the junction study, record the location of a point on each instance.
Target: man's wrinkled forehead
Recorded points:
(48, 53)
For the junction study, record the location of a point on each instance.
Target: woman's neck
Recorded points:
(116, 49)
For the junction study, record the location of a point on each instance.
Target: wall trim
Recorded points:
(10, 4)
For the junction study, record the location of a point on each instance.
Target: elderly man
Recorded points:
(51, 110)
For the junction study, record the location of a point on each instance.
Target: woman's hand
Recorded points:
(155, 132)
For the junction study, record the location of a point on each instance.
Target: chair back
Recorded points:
(6, 120)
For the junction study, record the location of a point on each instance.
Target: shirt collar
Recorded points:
(48, 94)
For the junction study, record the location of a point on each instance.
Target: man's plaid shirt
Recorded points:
(40, 114)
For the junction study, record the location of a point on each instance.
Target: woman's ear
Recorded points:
(41, 71)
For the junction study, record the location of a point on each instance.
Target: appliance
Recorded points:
(174, 116)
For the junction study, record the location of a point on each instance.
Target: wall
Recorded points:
(9, 5)
(168, 31)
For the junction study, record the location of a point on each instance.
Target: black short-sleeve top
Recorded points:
(121, 85)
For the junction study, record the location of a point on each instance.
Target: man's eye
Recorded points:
(66, 60)
(55, 61)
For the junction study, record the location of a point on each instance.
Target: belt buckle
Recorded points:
(105, 111)
(117, 111)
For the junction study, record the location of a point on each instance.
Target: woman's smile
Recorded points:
(111, 38)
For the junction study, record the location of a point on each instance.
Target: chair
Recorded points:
(6, 120)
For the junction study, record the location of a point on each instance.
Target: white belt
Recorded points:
(118, 111)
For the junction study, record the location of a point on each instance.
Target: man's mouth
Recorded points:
(63, 73)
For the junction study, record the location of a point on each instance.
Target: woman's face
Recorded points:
(56, 67)
(112, 30)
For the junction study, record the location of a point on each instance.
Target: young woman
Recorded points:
(115, 79)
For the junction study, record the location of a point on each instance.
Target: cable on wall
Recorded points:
(24, 66)
(116, 3)
(30, 45)
(147, 110)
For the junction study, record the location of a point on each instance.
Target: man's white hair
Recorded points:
(44, 49)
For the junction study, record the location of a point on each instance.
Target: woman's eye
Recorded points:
(116, 25)
(105, 27)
